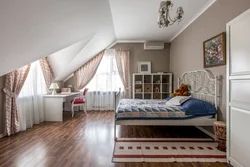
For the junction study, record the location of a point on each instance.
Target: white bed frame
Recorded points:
(203, 85)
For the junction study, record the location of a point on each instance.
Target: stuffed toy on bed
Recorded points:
(181, 91)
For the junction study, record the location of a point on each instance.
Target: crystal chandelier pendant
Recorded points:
(164, 19)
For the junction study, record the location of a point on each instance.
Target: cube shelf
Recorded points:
(152, 86)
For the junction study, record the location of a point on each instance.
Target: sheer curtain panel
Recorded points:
(30, 99)
(13, 85)
(105, 84)
(122, 61)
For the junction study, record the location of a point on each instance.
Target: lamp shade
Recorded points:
(54, 86)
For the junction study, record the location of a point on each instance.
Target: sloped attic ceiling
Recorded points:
(66, 61)
(32, 29)
(60, 60)
(71, 32)
(133, 21)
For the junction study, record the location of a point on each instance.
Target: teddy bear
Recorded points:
(181, 91)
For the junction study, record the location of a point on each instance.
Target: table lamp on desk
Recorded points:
(54, 86)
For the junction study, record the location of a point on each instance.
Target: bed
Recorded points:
(204, 87)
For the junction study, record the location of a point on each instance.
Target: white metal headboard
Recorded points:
(203, 85)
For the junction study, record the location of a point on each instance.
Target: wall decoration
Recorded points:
(144, 67)
(214, 51)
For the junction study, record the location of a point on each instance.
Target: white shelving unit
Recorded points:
(152, 86)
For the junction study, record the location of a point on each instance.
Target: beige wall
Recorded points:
(2, 82)
(186, 51)
(70, 81)
(159, 58)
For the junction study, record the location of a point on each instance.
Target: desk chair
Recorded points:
(80, 101)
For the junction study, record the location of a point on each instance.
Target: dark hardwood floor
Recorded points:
(83, 141)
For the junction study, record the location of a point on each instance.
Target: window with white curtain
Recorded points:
(104, 84)
(30, 99)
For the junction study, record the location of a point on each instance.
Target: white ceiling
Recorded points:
(60, 60)
(71, 32)
(137, 19)
(32, 29)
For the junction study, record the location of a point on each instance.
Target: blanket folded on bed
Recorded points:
(139, 105)
(157, 109)
(147, 109)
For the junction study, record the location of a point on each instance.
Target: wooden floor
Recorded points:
(83, 141)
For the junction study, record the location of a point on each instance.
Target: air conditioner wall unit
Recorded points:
(153, 45)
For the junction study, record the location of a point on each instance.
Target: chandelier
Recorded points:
(164, 19)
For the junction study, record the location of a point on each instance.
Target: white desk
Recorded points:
(53, 105)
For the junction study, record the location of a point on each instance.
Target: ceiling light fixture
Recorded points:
(164, 19)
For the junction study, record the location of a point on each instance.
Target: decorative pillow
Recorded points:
(177, 100)
(198, 107)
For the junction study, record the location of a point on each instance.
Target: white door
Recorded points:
(238, 90)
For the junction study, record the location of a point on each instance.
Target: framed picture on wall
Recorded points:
(214, 51)
(144, 67)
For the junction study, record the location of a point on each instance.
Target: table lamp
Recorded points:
(54, 86)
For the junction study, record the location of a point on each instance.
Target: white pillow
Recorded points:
(177, 100)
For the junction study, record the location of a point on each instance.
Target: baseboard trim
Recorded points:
(1, 135)
(233, 162)
(207, 132)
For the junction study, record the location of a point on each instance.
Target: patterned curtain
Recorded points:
(85, 73)
(47, 71)
(13, 85)
(122, 61)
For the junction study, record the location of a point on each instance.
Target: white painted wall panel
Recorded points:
(240, 46)
(239, 136)
(240, 91)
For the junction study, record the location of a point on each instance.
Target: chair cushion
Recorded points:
(78, 101)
